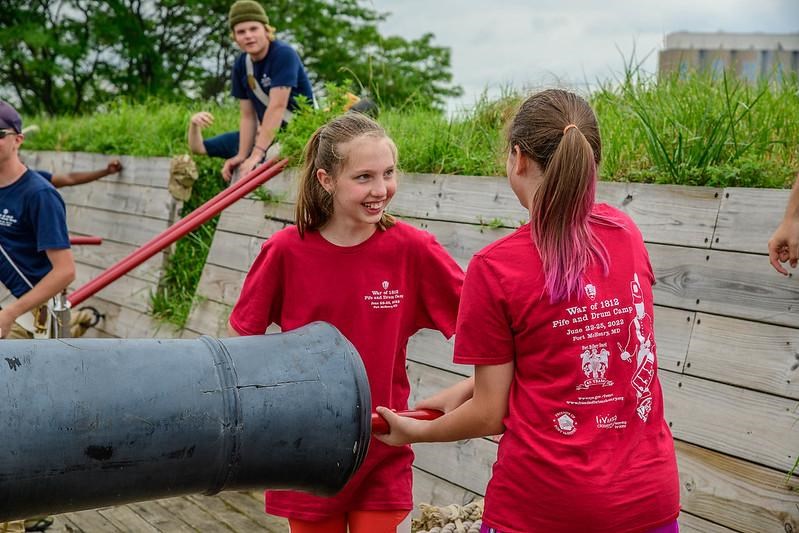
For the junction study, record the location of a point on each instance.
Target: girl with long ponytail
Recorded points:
(557, 319)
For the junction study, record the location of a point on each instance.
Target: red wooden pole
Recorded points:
(80, 239)
(254, 174)
(192, 221)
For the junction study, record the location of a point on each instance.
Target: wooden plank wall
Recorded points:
(126, 210)
(726, 327)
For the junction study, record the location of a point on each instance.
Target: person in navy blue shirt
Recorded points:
(36, 262)
(268, 90)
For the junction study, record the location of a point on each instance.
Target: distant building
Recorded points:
(751, 55)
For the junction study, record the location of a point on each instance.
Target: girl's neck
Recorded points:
(342, 234)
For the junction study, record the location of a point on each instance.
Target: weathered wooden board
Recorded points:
(119, 227)
(220, 284)
(693, 524)
(144, 171)
(725, 283)
(160, 518)
(207, 318)
(234, 251)
(48, 161)
(468, 199)
(735, 493)
(128, 323)
(747, 354)
(750, 425)
(464, 463)
(254, 217)
(665, 213)
(251, 504)
(125, 519)
(228, 512)
(462, 241)
(669, 214)
(110, 253)
(434, 490)
(193, 514)
(128, 291)
(90, 521)
(121, 198)
(748, 217)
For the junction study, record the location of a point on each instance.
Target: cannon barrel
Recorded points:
(88, 423)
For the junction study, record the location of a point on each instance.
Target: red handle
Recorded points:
(85, 240)
(379, 424)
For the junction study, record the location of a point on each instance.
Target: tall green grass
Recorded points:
(697, 130)
(706, 129)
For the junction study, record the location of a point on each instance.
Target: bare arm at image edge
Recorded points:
(783, 246)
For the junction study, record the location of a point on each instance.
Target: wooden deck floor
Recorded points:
(228, 511)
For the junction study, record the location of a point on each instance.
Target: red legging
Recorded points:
(358, 521)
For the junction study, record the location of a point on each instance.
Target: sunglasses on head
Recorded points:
(6, 133)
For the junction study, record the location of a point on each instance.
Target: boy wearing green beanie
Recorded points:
(267, 78)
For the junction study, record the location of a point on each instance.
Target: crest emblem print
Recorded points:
(385, 285)
(590, 291)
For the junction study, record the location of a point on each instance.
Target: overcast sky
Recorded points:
(535, 43)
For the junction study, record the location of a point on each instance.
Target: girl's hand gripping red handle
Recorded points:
(379, 424)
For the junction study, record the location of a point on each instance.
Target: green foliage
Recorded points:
(307, 119)
(702, 129)
(153, 128)
(494, 223)
(173, 299)
(70, 56)
(427, 141)
(339, 40)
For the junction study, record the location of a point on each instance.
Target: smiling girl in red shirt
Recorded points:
(378, 280)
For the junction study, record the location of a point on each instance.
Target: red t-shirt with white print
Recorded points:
(377, 294)
(586, 447)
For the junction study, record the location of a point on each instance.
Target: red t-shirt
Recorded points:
(377, 294)
(586, 447)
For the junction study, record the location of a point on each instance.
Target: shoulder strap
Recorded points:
(257, 89)
(15, 267)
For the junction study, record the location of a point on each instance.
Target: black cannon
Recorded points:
(94, 422)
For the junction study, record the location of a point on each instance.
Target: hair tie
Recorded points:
(570, 126)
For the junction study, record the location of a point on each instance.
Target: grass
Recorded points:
(698, 130)
(703, 130)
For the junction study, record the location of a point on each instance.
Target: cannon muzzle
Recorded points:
(88, 423)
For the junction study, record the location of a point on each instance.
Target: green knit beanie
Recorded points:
(246, 11)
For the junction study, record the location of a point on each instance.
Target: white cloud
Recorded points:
(539, 42)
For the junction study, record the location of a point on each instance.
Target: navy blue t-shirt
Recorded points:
(46, 175)
(33, 219)
(280, 68)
